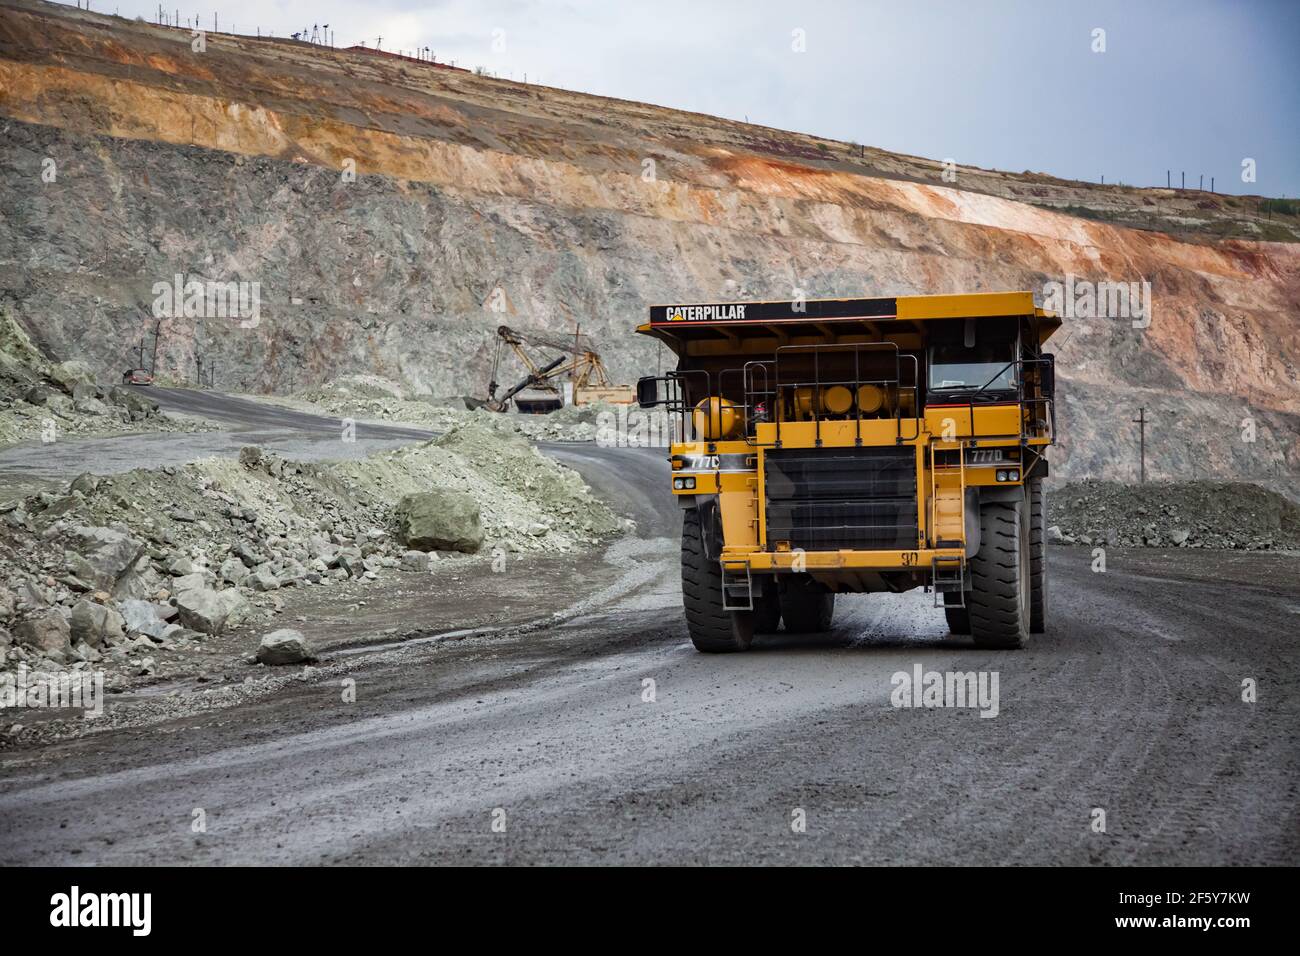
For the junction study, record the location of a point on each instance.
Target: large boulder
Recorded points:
(68, 375)
(103, 555)
(36, 395)
(263, 578)
(139, 581)
(285, 646)
(415, 561)
(95, 624)
(233, 571)
(145, 617)
(439, 520)
(211, 612)
(199, 580)
(47, 633)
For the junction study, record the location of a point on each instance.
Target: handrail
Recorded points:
(856, 383)
(968, 398)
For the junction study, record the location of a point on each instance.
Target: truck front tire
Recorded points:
(958, 617)
(999, 600)
(712, 630)
(1037, 557)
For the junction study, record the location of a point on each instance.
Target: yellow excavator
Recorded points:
(540, 391)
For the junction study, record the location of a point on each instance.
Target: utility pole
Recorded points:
(1141, 422)
(198, 360)
(153, 363)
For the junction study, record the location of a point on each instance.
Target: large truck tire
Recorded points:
(958, 617)
(999, 601)
(712, 630)
(807, 607)
(1037, 557)
(767, 606)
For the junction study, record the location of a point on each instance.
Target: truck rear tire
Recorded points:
(767, 606)
(807, 607)
(958, 617)
(712, 630)
(999, 601)
(1037, 557)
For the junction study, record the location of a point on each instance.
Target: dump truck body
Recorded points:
(850, 445)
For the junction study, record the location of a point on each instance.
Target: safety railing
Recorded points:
(1027, 402)
(787, 390)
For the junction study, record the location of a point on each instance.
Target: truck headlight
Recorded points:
(1009, 474)
(683, 484)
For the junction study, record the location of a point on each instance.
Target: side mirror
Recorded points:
(647, 391)
(1047, 375)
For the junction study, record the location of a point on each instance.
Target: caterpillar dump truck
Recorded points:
(856, 445)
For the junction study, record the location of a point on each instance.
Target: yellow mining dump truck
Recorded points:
(851, 445)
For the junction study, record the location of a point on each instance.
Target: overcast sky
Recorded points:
(1194, 86)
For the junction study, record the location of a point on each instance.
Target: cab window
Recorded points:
(955, 368)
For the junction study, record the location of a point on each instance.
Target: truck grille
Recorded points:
(832, 498)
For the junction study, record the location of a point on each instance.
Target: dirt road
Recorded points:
(1132, 704)
(289, 433)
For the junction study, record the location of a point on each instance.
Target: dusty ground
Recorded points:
(1132, 703)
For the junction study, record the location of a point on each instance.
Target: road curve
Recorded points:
(608, 739)
(300, 436)
(235, 410)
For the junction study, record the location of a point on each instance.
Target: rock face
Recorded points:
(481, 201)
(439, 520)
(285, 646)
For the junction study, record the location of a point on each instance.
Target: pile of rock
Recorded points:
(116, 566)
(110, 604)
(1193, 514)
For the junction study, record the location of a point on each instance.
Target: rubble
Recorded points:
(1190, 514)
(154, 562)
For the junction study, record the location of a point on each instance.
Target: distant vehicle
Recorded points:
(537, 392)
(137, 376)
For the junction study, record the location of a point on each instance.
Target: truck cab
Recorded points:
(827, 446)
